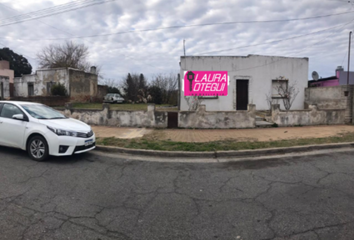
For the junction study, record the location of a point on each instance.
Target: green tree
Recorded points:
(156, 94)
(131, 87)
(18, 63)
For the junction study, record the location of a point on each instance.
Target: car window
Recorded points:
(8, 110)
(1, 106)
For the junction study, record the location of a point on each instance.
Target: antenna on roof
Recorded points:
(315, 75)
(184, 47)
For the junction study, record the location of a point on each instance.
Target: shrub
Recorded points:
(59, 90)
(156, 94)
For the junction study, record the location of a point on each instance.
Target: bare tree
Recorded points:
(270, 101)
(287, 92)
(108, 82)
(68, 54)
(168, 83)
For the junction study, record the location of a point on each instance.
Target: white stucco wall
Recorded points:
(5, 81)
(259, 70)
(39, 80)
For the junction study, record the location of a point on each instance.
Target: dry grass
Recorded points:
(151, 142)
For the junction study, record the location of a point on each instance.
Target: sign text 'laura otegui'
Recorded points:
(205, 83)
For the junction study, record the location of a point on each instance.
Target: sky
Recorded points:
(159, 51)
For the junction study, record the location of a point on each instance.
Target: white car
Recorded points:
(113, 98)
(42, 131)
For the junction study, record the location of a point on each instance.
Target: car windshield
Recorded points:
(113, 95)
(41, 111)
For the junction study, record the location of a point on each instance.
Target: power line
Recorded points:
(4, 45)
(14, 10)
(189, 26)
(50, 11)
(274, 41)
(300, 50)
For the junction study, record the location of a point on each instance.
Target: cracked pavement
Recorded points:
(97, 196)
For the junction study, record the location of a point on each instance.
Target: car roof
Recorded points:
(20, 102)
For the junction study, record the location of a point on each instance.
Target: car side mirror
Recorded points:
(18, 117)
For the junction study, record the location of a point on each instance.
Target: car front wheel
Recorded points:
(37, 148)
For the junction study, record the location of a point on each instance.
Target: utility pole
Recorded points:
(184, 47)
(350, 38)
(348, 94)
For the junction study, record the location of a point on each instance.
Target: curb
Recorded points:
(218, 154)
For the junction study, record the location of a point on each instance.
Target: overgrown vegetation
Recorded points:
(155, 144)
(162, 89)
(59, 90)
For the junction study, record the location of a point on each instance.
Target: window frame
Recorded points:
(277, 96)
(28, 88)
(25, 117)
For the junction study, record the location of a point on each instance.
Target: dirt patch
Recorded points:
(251, 135)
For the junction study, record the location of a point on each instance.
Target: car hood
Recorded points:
(67, 124)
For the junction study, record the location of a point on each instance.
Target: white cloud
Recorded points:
(158, 51)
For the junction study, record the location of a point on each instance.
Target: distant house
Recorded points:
(250, 79)
(80, 85)
(325, 82)
(6, 77)
(339, 79)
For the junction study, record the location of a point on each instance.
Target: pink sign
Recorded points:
(205, 83)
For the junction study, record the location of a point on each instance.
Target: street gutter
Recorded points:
(224, 154)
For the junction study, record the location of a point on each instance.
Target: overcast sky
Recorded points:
(155, 52)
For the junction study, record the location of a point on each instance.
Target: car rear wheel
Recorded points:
(37, 148)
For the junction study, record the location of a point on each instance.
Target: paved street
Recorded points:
(96, 196)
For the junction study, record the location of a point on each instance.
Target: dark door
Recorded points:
(1, 90)
(241, 94)
(172, 120)
(30, 89)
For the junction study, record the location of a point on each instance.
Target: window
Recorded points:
(49, 87)
(279, 87)
(30, 89)
(8, 110)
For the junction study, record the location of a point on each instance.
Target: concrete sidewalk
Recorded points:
(208, 135)
(124, 133)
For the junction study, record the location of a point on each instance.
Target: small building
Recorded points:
(6, 78)
(250, 80)
(80, 85)
(341, 78)
(325, 82)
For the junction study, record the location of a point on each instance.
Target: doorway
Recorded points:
(172, 120)
(241, 94)
(1, 90)
(30, 89)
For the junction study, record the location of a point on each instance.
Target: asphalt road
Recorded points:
(96, 196)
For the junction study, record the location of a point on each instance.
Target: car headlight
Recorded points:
(61, 132)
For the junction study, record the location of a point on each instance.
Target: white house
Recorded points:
(250, 79)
